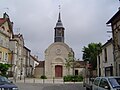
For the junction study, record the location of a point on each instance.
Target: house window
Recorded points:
(76, 72)
(99, 69)
(119, 40)
(99, 60)
(6, 56)
(105, 53)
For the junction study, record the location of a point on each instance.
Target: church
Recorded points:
(57, 54)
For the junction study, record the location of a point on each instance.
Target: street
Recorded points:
(39, 86)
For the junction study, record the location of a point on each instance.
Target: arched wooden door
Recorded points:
(58, 71)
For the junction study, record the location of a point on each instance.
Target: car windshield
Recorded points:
(4, 79)
(115, 82)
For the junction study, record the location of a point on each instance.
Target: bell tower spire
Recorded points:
(59, 30)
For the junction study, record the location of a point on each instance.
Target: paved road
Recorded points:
(39, 86)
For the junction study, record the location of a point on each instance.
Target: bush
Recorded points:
(43, 77)
(71, 78)
(67, 78)
(3, 69)
(80, 78)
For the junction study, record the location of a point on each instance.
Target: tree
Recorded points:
(90, 53)
(69, 62)
(4, 68)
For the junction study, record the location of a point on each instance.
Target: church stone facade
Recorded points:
(57, 53)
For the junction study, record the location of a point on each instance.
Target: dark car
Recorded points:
(6, 84)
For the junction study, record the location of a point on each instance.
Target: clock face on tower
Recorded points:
(58, 51)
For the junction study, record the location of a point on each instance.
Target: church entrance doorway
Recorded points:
(58, 71)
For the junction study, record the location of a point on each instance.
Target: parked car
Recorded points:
(87, 83)
(106, 83)
(6, 84)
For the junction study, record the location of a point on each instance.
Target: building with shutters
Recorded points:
(5, 34)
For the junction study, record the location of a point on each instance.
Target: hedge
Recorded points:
(43, 77)
(73, 78)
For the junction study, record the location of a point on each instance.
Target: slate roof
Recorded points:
(116, 15)
(2, 20)
(34, 58)
(79, 64)
(108, 42)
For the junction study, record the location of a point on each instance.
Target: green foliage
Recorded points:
(67, 78)
(71, 78)
(43, 77)
(4, 68)
(69, 62)
(90, 53)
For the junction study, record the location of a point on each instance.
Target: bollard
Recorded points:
(63, 81)
(24, 79)
(53, 79)
(34, 80)
(43, 80)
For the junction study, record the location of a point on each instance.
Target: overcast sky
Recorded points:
(84, 22)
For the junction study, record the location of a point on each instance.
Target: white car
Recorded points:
(106, 83)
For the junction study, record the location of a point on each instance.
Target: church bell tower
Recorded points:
(59, 31)
(56, 53)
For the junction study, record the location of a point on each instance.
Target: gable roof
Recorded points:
(6, 19)
(116, 15)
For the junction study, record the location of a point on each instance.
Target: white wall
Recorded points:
(110, 59)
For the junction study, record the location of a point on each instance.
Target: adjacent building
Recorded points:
(17, 45)
(34, 62)
(13, 51)
(5, 35)
(115, 25)
(26, 62)
(105, 60)
(39, 69)
(14, 57)
(79, 68)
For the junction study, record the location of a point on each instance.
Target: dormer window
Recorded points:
(3, 28)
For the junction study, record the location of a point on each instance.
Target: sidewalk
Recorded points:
(37, 80)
